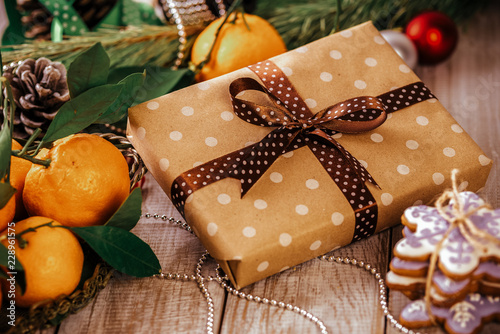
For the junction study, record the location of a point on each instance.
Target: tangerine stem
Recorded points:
(30, 141)
(22, 241)
(244, 19)
(207, 58)
(18, 154)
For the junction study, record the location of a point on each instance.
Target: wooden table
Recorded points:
(344, 297)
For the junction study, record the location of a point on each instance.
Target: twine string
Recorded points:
(458, 218)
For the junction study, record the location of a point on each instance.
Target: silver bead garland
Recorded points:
(223, 281)
(185, 13)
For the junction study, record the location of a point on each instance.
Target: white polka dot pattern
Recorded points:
(260, 204)
(249, 232)
(315, 245)
(326, 77)
(212, 229)
(372, 62)
(203, 86)
(186, 111)
(285, 239)
(484, 160)
(71, 21)
(141, 133)
(449, 152)
(153, 105)
(412, 144)
(263, 266)
(346, 33)
(164, 164)
(227, 116)
(296, 127)
(438, 178)
(335, 54)
(301, 209)
(175, 135)
(276, 177)
(406, 96)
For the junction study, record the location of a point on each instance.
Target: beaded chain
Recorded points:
(223, 281)
(185, 13)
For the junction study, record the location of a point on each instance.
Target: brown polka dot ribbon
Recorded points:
(296, 126)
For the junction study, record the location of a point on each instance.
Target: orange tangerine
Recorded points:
(85, 184)
(237, 45)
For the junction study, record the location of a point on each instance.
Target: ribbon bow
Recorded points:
(297, 126)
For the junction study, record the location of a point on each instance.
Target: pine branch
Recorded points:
(302, 21)
(133, 46)
(298, 21)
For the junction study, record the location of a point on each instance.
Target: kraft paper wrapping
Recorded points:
(295, 212)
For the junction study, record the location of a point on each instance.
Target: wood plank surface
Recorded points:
(131, 305)
(468, 85)
(343, 296)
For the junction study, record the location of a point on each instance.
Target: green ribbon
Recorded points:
(67, 21)
(63, 11)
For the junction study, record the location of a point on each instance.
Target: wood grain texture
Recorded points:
(468, 85)
(343, 296)
(322, 288)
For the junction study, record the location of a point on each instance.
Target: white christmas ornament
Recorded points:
(403, 46)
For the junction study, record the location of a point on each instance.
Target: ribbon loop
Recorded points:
(258, 113)
(356, 115)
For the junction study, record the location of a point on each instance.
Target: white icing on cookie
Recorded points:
(457, 256)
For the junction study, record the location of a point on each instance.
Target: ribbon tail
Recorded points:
(353, 163)
(261, 156)
(336, 161)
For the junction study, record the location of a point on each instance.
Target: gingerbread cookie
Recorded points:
(444, 291)
(458, 258)
(464, 317)
(409, 268)
(488, 271)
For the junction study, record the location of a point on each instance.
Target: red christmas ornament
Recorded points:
(435, 35)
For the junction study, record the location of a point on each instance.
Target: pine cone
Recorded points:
(37, 20)
(93, 11)
(39, 89)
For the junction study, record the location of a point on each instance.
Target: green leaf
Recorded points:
(5, 149)
(121, 249)
(119, 73)
(3, 274)
(78, 113)
(159, 80)
(13, 265)
(186, 80)
(6, 192)
(131, 86)
(128, 214)
(89, 69)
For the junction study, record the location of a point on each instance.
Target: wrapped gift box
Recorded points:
(298, 209)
